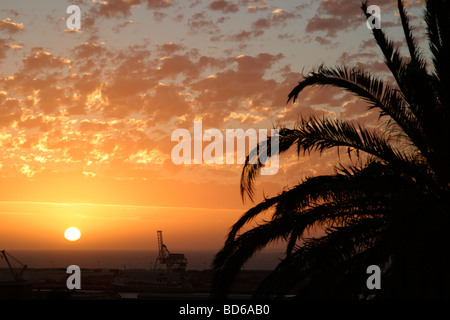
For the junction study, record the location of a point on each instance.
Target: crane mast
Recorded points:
(163, 252)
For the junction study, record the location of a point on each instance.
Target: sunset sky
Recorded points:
(86, 116)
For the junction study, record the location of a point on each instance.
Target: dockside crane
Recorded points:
(17, 275)
(171, 261)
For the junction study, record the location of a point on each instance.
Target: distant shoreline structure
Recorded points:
(130, 259)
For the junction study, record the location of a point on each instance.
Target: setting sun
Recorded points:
(72, 234)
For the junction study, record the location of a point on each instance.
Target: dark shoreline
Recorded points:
(107, 284)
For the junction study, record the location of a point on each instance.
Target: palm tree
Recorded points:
(390, 209)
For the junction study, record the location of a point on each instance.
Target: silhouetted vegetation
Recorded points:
(389, 208)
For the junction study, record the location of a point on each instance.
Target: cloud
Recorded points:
(367, 57)
(93, 126)
(277, 18)
(88, 50)
(280, 16)
(122, 25)
(243, 117)
(167, 102)
(122, 8)
(90, 56)
(254, 9)
(200, 23)
(159, 4)
(52, 98)
(4, 47)
(43, 60)
(114, 8)
(322, 40)
(357, 110)
(170, 48)
(176, 65)
(42, 122)
(224, 6)
(330, 25)
(11, 110)
(244, 35)
(333, 16)
(261, 23)
(9, 26)
(70, 31)
(241, 89)
(40, 80)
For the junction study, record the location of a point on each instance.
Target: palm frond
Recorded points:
(321, 134)
(321, 257)
(410, 41)
(233, 255)
(392, 57)
(438, 31)
(376, 92)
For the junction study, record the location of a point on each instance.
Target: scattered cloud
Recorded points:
(102, 102)
(9, 26)
(224, 6)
